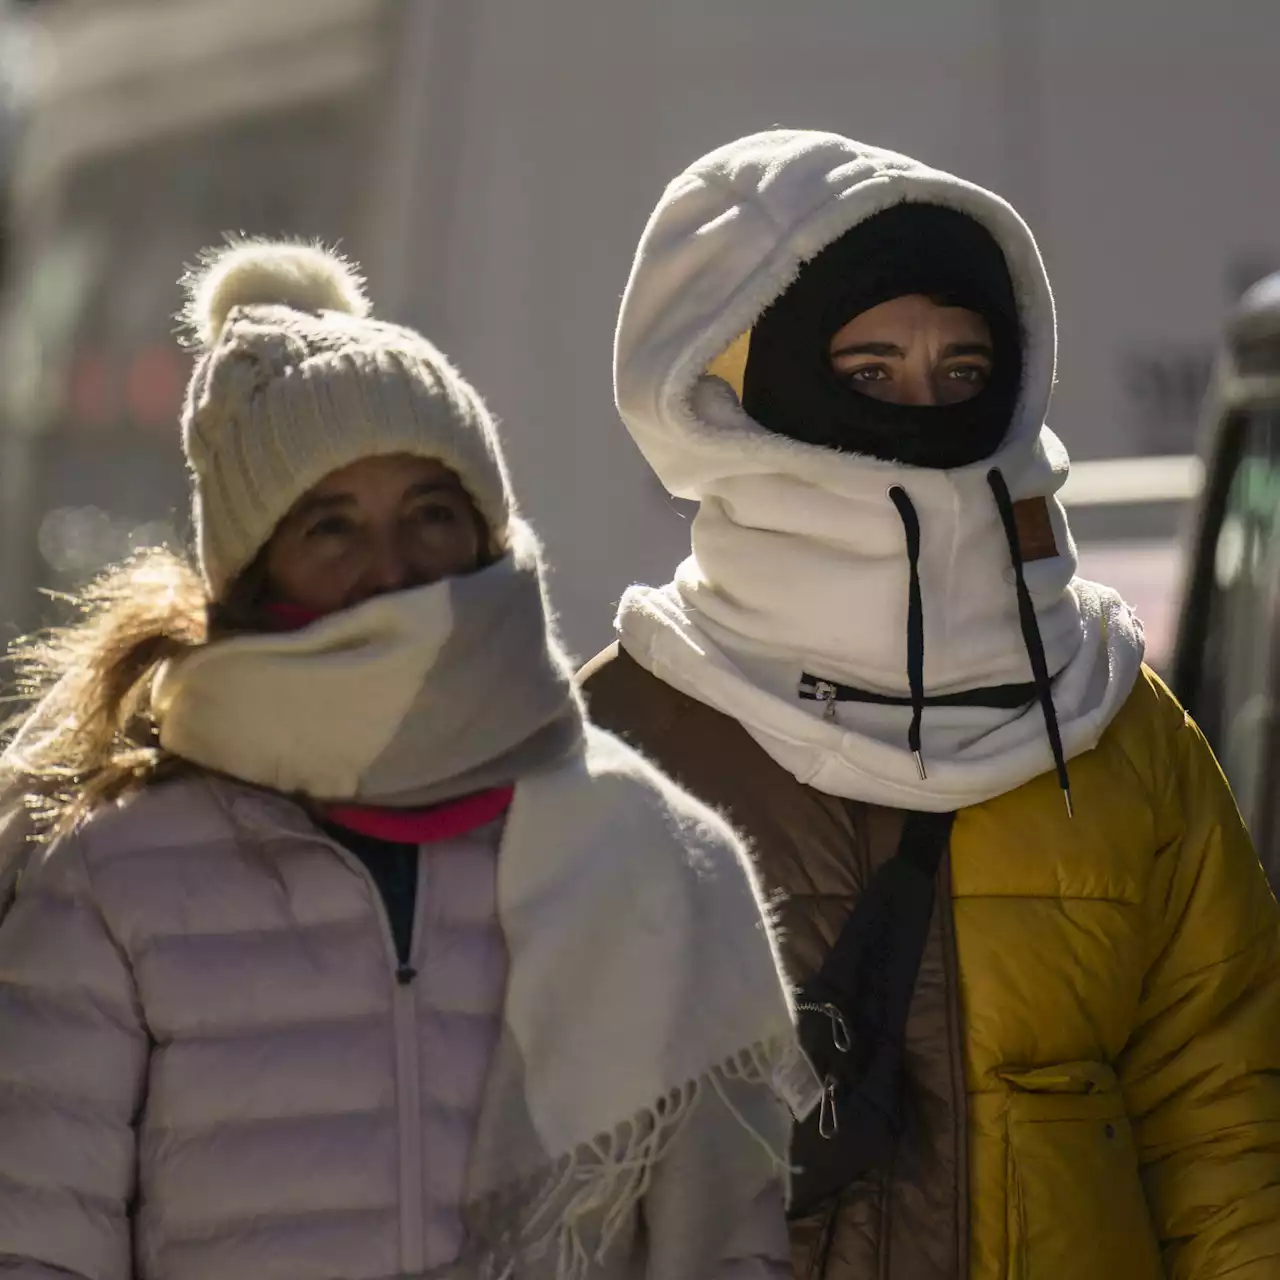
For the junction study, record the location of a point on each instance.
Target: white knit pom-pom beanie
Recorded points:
(294, 381)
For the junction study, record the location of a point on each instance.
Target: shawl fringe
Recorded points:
(549, 1218)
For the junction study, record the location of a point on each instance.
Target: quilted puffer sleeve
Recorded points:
(73, 1061)
(1202, 1070)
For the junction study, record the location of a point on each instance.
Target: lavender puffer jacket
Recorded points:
(208, 1069)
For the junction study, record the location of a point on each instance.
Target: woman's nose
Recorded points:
(917, 389)
(390, 569)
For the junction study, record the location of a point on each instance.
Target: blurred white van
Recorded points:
(1129, 517)
(1226, 666)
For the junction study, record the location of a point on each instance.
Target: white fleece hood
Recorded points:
(799, 577)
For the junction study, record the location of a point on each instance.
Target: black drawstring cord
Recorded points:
(1030, 626)
(915, 622)
(1031, 637)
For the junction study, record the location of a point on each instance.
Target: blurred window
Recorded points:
(1238, 688)
(98, 378)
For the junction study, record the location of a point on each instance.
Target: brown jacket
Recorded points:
(815, 853)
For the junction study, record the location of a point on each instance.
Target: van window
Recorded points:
(1237, 696)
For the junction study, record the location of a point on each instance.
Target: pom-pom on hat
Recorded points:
(305, 277)
(294, 380)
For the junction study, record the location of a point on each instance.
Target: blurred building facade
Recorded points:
(492, 164)
(152, 129)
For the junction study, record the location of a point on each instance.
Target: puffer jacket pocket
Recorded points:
(1075, 1201)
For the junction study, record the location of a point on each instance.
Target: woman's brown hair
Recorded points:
(89, 736)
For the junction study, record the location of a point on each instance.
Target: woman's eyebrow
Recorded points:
(315, 503)
(969, 349)
(425, 487)
(870, 349)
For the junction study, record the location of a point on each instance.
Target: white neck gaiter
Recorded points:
(796, 589)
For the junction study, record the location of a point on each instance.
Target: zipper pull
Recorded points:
(840, 1036)
(828, 1119)
(825, 692)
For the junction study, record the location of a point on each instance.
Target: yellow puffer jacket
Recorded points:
(1101, 1026)
(1120, 980)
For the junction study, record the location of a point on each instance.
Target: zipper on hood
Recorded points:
(1008, 697)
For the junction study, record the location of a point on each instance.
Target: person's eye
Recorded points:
(330, 527)
(434, 513)
(967, 373)
(868, 373)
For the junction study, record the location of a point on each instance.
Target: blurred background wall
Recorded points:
(492, 163)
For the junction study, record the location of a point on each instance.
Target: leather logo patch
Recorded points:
(1035, 530)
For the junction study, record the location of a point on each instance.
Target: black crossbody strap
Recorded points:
(893, 910)
(853, 1019)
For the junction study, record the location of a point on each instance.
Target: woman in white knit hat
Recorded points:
(352, 951)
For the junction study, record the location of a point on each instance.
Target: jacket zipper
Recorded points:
(404, 1014)
(409, 1090)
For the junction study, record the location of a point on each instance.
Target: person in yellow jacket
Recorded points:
(1038, 961)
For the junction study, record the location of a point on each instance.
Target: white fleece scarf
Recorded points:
(799, 561)
(629, 912)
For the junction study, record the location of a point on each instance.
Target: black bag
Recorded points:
(853, 1019)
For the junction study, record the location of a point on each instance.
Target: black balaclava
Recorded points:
(791, 389)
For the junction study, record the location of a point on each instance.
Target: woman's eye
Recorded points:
(868, 373)
(967, 373)
(330, 527)
(434, 513)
